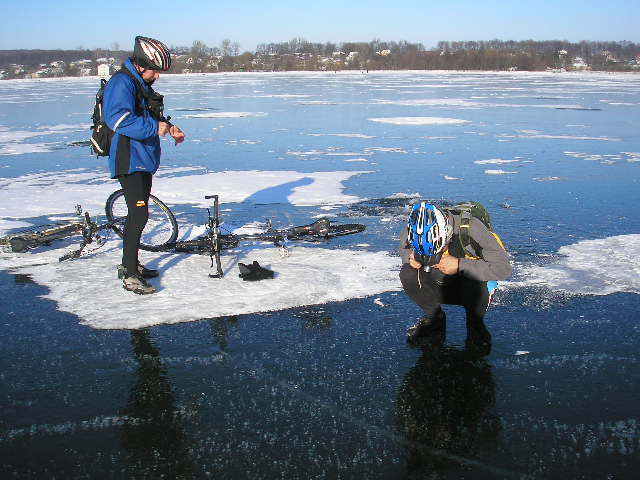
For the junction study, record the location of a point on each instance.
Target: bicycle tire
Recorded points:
(344, 229)
(40, 235)
(202, 246)
(161, 230)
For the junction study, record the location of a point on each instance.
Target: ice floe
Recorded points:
(590, 267)
(420, 121)
(498, 172)
(346, 135)
(89, 288)
(547, 179)
(537, 135)
(495, 161)
(607, 159)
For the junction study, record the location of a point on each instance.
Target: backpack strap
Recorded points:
(147, 98)
(140, 93)
(464, 236)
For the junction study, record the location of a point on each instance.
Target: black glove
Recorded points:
(254, 272)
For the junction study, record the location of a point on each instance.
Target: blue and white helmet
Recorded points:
(429, 229)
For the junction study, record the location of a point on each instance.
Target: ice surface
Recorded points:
(11, 141)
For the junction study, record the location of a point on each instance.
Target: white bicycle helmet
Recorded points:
(152, 54)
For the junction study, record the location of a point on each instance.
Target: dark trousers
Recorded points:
(137, 188)
(434, 291)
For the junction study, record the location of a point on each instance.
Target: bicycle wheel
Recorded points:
(321, 230)
(344, 229)
(40, 235)
(161, 229)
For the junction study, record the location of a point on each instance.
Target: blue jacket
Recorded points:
(135, 146)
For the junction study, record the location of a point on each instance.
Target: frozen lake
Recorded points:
(308, 375)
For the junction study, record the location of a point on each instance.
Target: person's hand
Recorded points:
(413, 262)
(448, 264)
(163, 128)
(177, 134)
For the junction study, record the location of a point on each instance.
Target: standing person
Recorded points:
(133, 112)
(439, 268)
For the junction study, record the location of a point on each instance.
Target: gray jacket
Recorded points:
(492, 262)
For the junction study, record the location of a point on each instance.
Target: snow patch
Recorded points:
(420, 121)
(88, 287)
(225, 115)
(21, 197)
(590, 267)
(498, 172)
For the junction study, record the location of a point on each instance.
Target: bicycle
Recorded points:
(161, 228)
(161, 232)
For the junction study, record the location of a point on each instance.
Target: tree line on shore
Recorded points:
(300, 54)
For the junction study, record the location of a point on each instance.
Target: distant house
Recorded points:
(85, 72)
(579, 64)
(351, 57)
(104, 70)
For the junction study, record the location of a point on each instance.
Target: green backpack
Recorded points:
(466, 210)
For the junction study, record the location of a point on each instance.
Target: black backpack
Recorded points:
(101, 134)
(467, 210)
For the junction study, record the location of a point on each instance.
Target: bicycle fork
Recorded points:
(214, 237)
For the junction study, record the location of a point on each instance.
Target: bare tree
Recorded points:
(225, 46)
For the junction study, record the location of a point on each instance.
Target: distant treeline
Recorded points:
(300, 54)
(32, 58)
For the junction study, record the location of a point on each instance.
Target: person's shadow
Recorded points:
(153, 435)
(444, 409)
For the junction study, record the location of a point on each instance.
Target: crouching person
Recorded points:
(451, 256)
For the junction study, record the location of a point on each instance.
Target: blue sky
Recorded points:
(72, 23)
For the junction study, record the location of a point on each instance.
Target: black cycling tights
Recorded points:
(459, 290)
(137, 188)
